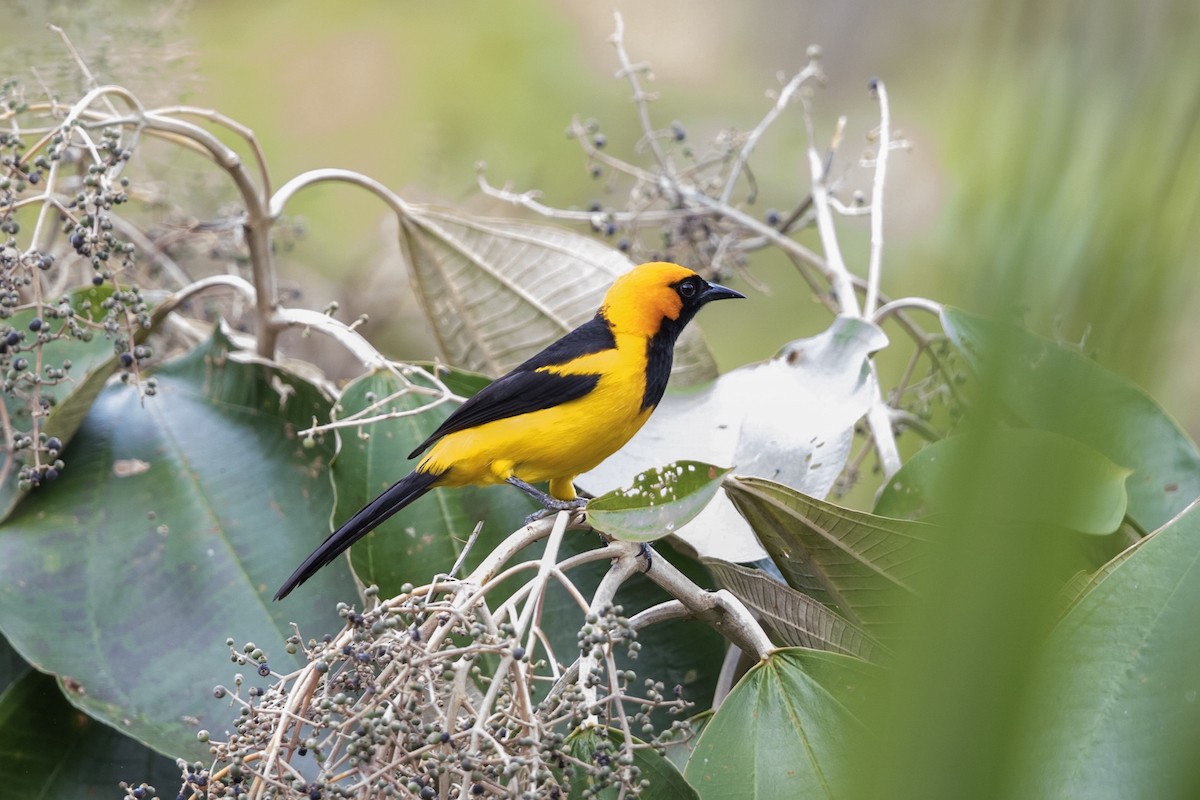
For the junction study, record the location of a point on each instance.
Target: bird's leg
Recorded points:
(645, 552)
(550, 505)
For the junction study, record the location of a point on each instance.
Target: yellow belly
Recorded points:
(553, 444)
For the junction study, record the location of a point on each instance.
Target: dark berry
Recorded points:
(12, 339)
(600, 141)
(36, 324)
(264, 670)
(126, 359)
(20, 363)
(54, 443)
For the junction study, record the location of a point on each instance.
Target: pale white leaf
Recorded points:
(789, 419)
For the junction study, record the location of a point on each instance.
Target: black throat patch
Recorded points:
(660, 354)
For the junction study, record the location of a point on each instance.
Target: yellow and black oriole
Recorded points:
(558, 414)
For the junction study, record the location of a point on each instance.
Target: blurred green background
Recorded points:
(1055, 158)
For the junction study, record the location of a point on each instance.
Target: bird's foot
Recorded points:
(560, 505)
(550, 505)
(645, 552)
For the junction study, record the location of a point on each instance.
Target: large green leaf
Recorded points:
(1047, 479)
(496, 291)
(180, 515)
(788, 729)
(660, 501)
(49, 749)
(1051, 387)
(790, 419)
(1118, 710)
(859, 564)
(426, 537)
(793, 619)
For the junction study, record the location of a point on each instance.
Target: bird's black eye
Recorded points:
(688, 289)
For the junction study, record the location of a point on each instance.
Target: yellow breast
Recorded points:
(557, 442)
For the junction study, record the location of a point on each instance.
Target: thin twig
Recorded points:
(630, 71)
(877, 184)
(810, 71)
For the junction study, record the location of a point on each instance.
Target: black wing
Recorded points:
(525, 390)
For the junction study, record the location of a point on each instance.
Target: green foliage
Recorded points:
(1055, 388)
(1114, 712)
(180, 515)
(789, 729)
(986, 631)
(50, 749)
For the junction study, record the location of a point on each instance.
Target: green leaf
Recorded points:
(790, 419)
(660, 501)
(1051, 387)
(666, 782)
(426, 537)
(1046, 479)
(856, 563)
(92, 362)
(791, 618)
(1117, 711)
(177, 519)
(12, 666)
(49, 749)
(496, 291)
(788, 729)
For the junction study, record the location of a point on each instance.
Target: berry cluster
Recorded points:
(67, 182)
(423, 697)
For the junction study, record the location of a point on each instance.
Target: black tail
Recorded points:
(367, 519)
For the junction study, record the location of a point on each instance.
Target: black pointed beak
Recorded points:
(716, 291)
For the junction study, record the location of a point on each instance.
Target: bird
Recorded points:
(558, 414)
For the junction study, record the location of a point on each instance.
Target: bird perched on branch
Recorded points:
(558, 414)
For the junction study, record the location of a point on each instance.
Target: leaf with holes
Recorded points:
(660, 501)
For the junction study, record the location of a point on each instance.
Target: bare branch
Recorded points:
(811, 71)
(877, 184)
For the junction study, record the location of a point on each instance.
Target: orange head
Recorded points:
(657, 296)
